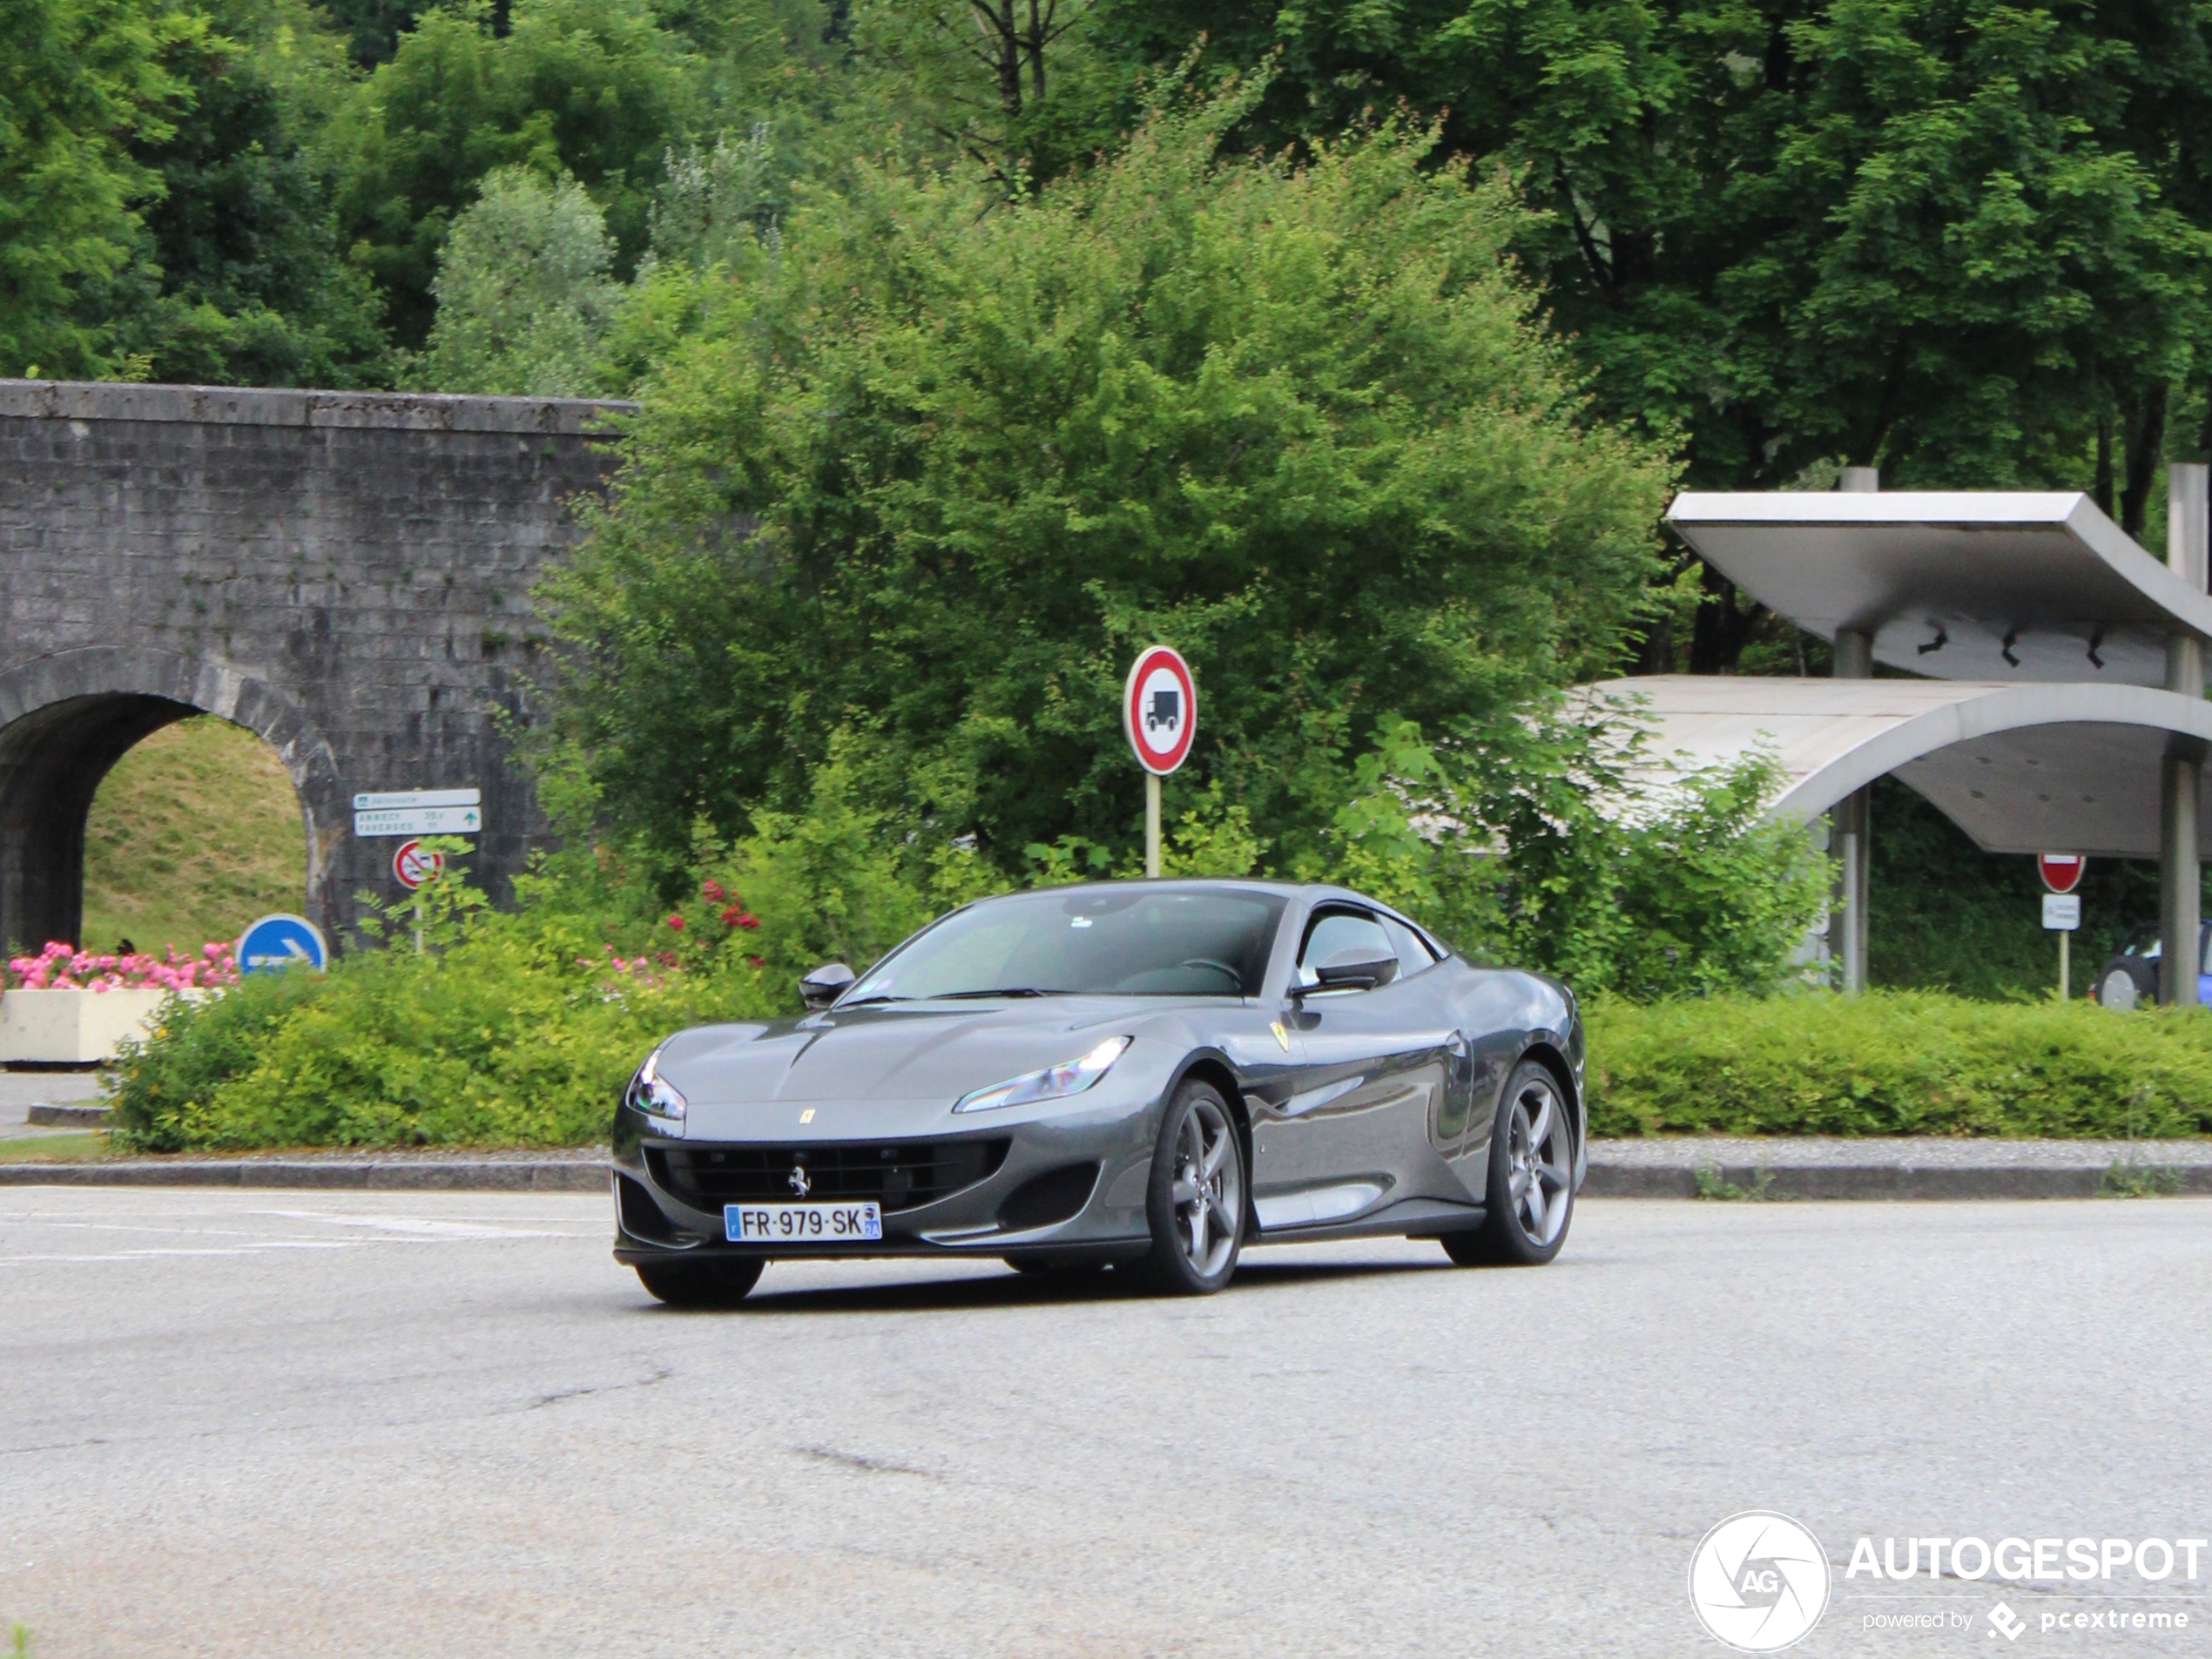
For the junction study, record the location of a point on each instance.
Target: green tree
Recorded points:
(1955, 238)
(1016, 87)
(596, 88)
(248, 284)
(522, 293)
(927, 473)
(81, 82)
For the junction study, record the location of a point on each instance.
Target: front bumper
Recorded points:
(1068, 1182)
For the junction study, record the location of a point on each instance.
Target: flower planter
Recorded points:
(75, 1027)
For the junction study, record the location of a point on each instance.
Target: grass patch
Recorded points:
(192, 834)
(55, 1148)
(1711, 1183)
(1904, 1062)
(2128, 1179)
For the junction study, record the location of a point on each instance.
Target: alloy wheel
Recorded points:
(1208, 1192)
(1539, 1162)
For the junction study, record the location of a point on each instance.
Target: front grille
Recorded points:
(902, 1176)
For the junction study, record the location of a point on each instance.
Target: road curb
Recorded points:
(1882, 1181)
(43, 1116)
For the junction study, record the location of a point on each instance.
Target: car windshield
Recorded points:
(1123, 942)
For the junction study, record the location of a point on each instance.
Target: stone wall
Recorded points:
(347, 574)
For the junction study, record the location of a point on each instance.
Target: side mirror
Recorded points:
(825, 985)
(1356, 968)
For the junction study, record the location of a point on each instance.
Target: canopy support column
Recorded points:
(1854, 660)
(2181, 774)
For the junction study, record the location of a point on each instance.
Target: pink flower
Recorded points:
(712, 890)
(738, 916)
(677, 923)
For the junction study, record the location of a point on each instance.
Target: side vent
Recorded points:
(1053, 1196)
(640, 1217)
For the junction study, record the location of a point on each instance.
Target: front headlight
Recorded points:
(1070, 1077)
(657, 1097)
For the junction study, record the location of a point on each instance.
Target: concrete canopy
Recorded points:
(2022, 768)
(1948, 582)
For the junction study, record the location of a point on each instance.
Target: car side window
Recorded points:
(1414, 953)
(1337, 931)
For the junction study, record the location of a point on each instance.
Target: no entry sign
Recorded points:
(414, 864)
(1160, 710)
(2061, 872)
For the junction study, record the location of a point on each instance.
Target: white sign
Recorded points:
(1160, 710)
(400, 800)
(2062, 912)
(421, 821)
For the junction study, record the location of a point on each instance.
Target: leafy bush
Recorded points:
(1555, 841)
(510, 1029)
(1897, 1063)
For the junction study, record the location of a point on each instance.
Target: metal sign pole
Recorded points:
(1152, 825)
(2065, 976)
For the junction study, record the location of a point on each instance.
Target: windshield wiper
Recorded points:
(1004, 990)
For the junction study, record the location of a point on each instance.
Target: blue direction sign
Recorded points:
(279, 941)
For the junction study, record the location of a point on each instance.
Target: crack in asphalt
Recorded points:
(861, 1461)
(660, 1373)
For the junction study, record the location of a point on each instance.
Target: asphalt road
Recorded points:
(424, 1424)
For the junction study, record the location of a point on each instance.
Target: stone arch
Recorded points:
(67, 718)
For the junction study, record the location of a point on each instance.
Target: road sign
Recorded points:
(414, 864)
(2061, 872)
(1160, 710)
(419, 820)
(2061, 911)
(399, 800)
(281, 941)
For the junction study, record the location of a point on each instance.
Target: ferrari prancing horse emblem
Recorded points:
(800, 1183)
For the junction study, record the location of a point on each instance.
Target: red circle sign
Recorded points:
(414, 864)
(2061, 872)
(1160, 710)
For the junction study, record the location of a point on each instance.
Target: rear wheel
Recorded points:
(701, 1285)
(1196, 1200)
(1531, 1192)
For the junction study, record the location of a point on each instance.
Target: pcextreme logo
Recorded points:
(1759, 1581)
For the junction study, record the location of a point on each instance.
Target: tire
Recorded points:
(701, 1285)
(2118, 989)
(1194, 1202)
(1532, 1152)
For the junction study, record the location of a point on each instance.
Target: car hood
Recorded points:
(899, 1051)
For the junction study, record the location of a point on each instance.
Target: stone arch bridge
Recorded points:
(348, 575)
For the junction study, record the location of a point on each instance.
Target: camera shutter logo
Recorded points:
(1759, 1581)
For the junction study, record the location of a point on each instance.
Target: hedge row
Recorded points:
(1902, 1062)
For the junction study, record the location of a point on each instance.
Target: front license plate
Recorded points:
(801, 1224)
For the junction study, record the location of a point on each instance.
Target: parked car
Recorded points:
(2130, 974)
(1149, 1075)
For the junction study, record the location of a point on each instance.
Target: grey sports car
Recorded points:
(1149, 1074)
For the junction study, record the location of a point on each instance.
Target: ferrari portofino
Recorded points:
(1150, 1074)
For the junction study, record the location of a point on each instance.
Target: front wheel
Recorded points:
(1195, 1202)
(701, 1285)
(1531, 1191)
